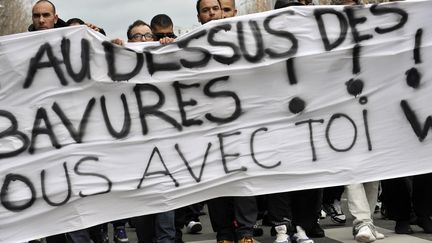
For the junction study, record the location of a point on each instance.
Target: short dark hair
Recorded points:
(74, 21)
(286, 3)
(133, 25)
(161, 20)
(198, 5)
(47, 1)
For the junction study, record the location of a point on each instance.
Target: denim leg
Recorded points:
(165, 227)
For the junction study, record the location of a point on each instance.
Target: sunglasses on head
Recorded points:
(162, 35)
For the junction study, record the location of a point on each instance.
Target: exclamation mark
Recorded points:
(296, 104)
(413, 77)
(355, 85)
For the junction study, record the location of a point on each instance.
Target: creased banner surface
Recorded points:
(298, 98)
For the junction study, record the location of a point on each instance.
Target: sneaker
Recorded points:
(403, 227)
(301, 237)
(335, 212)
(281, 234)
(323, 214)
(364, 233)
(425, 223)
(316, 231)
(257, 231)
(120, 235)
(193, 227)
(247, 239)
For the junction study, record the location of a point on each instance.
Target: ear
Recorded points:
(235, 12)
(199, 20)
(55, 19)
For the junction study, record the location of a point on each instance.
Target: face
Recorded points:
(160, 32)
(43, 16)
(141, 33)
(209, 10)
(228, 8)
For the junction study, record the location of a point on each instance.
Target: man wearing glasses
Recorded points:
(139, 31)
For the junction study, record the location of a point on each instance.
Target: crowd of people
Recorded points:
(293, 216)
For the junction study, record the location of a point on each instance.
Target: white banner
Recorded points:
(298, 98)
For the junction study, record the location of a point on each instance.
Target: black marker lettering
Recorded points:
(221, 137)
(197, 178)
(182, 104)
(12, 131)
(354, 21)
(85, 59)
(69, 188)
(165, 172)
(410, 115)
(293, 42)
(221, 58)
(309, 122)
(153, 66)
(37, 130)
(4, 194)
(78, 172)
(321, 26)
(337, 116)
(383, 10)
(112, 70)
(252, 140)
(77, 136)
(183, 44)
(238, 110)
(152, 109)
(258, 41)
(126, 119)
(36, 64)
(365, 120)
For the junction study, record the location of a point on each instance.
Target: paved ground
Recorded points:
(334, 233)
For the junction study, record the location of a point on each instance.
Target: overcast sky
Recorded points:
(114, 16)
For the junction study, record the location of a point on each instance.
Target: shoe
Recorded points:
(335, 212)
(425, 223)
(247, 239)
(257, 231)
(403, 227)
(281, 234)
(316, 231)
(301, 237)
(363, 233)
(323, 214)
(193, 227)
(378, 235)
(120, 235)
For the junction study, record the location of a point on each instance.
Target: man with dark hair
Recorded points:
(208, 10)
(287, 3)
(44, 16)
(139, 31)
(163, 28)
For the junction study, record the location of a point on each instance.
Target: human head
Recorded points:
(208, 10)
(74, 21)
(139, 31)
(162, 26)
(287, 3)
(44, 15)
(228, 8)
(344, 2)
